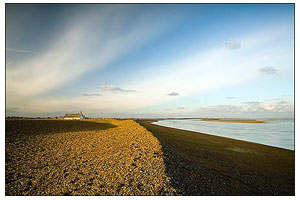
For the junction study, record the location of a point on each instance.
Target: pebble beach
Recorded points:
(108, 157)
(97, 157)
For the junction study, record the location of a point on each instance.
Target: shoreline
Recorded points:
(135, 157)
(195, 132)
(229, 120)
(234, 167)
(227, 137)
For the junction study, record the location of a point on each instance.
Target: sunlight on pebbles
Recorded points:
(125, 160)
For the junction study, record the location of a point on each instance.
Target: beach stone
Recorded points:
(83, 158)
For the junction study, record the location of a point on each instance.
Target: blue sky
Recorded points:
(165, 60)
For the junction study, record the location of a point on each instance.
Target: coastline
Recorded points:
(122, 157)
(272, 133)
(217, 165)
(230, 120)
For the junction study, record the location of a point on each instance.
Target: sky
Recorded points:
(150, 60)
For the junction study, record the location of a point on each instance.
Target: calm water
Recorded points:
(278, 133)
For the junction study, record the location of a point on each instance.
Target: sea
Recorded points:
(277, 133)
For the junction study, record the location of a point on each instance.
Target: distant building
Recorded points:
(74, 116)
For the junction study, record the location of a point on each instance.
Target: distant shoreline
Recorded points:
(229, 120)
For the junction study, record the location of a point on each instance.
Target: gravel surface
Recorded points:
(202, 164)
(87, 157)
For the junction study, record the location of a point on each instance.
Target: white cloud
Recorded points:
(93, 94)
(173, 94)
(74, 52)
(18, 50)
(14, 108)
(252, 102)
(230, 97)
(201, 71)
(248, 109)
(269, 70)
(233, 45)
(112, 88)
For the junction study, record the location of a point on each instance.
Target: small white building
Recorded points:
(74, 116)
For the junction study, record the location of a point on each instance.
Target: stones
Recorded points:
(133, 165)
(29, 183)
(123, 160)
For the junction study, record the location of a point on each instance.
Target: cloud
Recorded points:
(232, 45)
(201, 71)
(173, 94)
(92, 95)
(269, 70)
(18, 50)
(181, 108)
(9, 62)
(230, 97)
(283, 106)
(248, 109)
(112, 88)
(14, 108)
(216, 110)
(252, 102)
(65, 58)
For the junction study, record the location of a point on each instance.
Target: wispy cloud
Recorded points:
(230, 97)
(92, 95)
(181, 108)
(201, 72)
(96, 39)
(14, 108)
(269, 70)
(173, 94)
(252, 102)
(232, 45)
(9, 62)
(73, 54)
(112, 88)
(19, 50)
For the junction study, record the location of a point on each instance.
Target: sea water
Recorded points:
(277, 133)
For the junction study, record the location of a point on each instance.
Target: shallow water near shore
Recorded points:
(277, 133)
